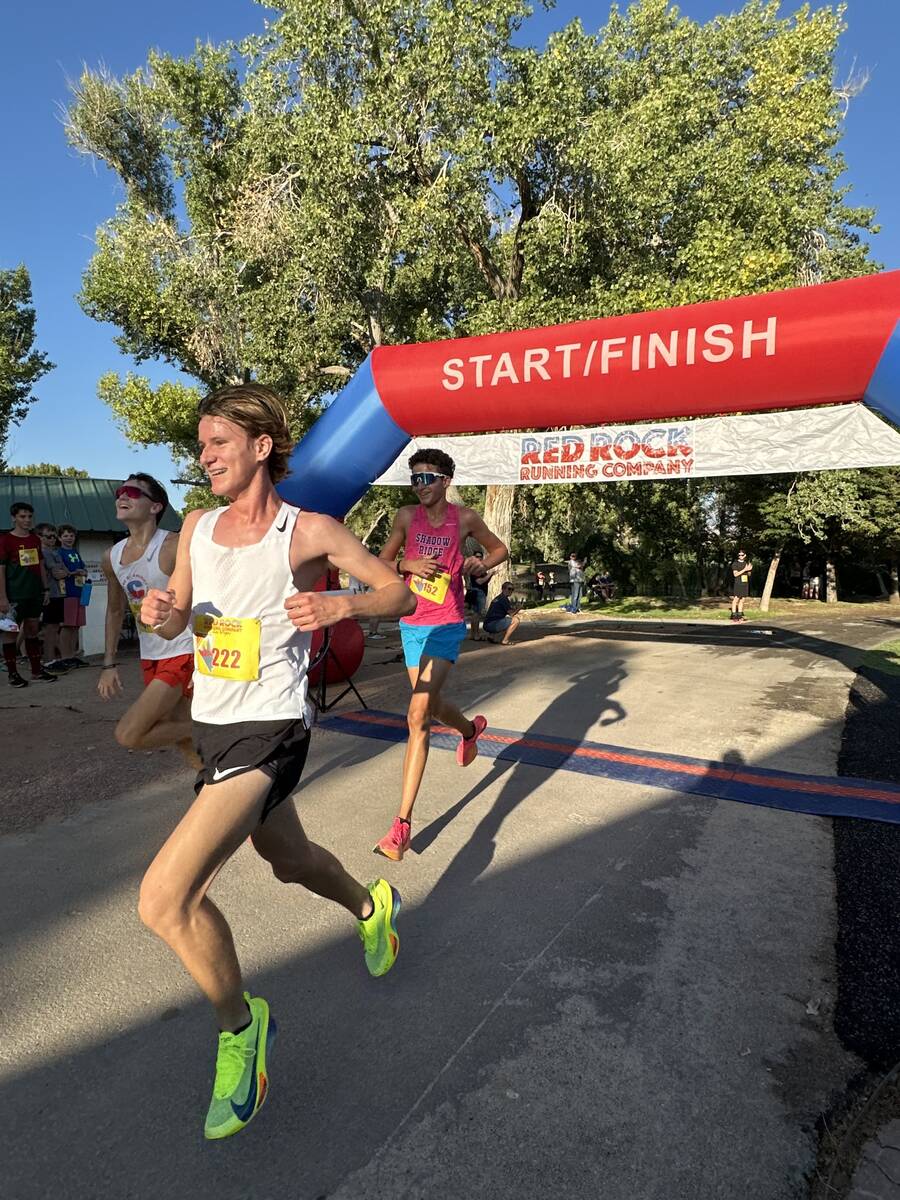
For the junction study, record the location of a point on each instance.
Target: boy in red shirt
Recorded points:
(25, 587)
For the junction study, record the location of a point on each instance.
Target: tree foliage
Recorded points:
(408, 170)
(50, 469)
(21, 366)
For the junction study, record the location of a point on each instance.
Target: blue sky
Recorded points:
(52, 200)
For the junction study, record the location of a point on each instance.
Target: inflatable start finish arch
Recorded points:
(835, 343)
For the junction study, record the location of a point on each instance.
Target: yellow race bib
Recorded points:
(227, 647)
(28, 556)
(434, 590)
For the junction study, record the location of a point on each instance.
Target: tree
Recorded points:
(50, 469)
(403, 171)
(21, 366)
(879, 488)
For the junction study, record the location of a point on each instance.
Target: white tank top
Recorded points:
(241, 582)
(136, 579)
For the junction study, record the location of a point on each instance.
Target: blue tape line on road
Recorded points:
(819, 795)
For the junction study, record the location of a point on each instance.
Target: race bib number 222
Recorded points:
(227, 647)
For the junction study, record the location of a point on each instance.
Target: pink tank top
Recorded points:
(440, 600)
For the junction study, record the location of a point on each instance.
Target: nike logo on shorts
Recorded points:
(219, 775)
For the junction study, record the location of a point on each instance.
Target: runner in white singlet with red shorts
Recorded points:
(243, 583)
(432, 534)
(161, 715)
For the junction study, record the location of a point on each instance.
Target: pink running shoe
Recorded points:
(467, 749)
(394, 844)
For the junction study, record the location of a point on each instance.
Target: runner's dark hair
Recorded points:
(20, 506)
(155, 491)
(434, 458)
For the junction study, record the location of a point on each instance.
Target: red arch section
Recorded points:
(790, 349)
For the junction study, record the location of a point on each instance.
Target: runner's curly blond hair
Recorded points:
(258, 410)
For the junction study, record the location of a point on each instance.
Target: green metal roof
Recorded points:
(88, 504)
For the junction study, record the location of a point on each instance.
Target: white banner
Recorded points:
(815, 439)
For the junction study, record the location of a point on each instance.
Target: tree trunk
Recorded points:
(882, 590)
(680, 577)
(830, 582)
(770, 580)
(373, 526)
(894, 595)
(498, 516)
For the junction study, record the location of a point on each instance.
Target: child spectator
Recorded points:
(52, 612)
(24, 587)
(73, 609)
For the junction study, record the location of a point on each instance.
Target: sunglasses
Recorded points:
(425, 478)
(133, 493)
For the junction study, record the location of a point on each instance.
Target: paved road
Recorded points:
(603, 989)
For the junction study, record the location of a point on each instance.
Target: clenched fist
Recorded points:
(157, 607)
(315, 610)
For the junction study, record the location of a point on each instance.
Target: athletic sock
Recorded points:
(244, 1026)
(9, 657)
(33, 650)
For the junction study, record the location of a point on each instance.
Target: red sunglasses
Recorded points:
(133, 493)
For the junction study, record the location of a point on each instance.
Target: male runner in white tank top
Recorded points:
(242, 579)
(161, 715)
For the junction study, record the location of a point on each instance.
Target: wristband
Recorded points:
(109, 666)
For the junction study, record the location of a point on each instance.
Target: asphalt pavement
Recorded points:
(603, 989)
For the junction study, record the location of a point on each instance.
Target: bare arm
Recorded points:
(169, 612)
(168, 554)
(115, 610)
(390, 597)
(495, 550)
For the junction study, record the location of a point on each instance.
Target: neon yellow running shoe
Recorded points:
(378, 933)
(242, 1080)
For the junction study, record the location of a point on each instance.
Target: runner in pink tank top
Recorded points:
(440, 600)
(431, 535)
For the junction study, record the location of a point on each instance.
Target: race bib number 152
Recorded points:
(434, 590)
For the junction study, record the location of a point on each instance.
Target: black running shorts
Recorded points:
(279, 748)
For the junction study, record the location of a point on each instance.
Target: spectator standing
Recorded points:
(476, 599)
(24, 586)
(502, 617)
(52, 612)
(576, 584)
(73, 608)
(740, 584)
(551, 584)
(539, 584)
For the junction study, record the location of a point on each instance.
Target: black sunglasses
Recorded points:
(425, 478)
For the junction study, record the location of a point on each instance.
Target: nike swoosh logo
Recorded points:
(281, 528)
(217, 774)
(244, 1111)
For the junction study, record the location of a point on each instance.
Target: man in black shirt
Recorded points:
(740, 584)
(502, 617)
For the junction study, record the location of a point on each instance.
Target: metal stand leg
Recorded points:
(320, 698)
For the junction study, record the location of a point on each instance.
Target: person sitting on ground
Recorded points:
(502, 617)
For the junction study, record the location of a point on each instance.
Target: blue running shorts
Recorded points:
(435, 641)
